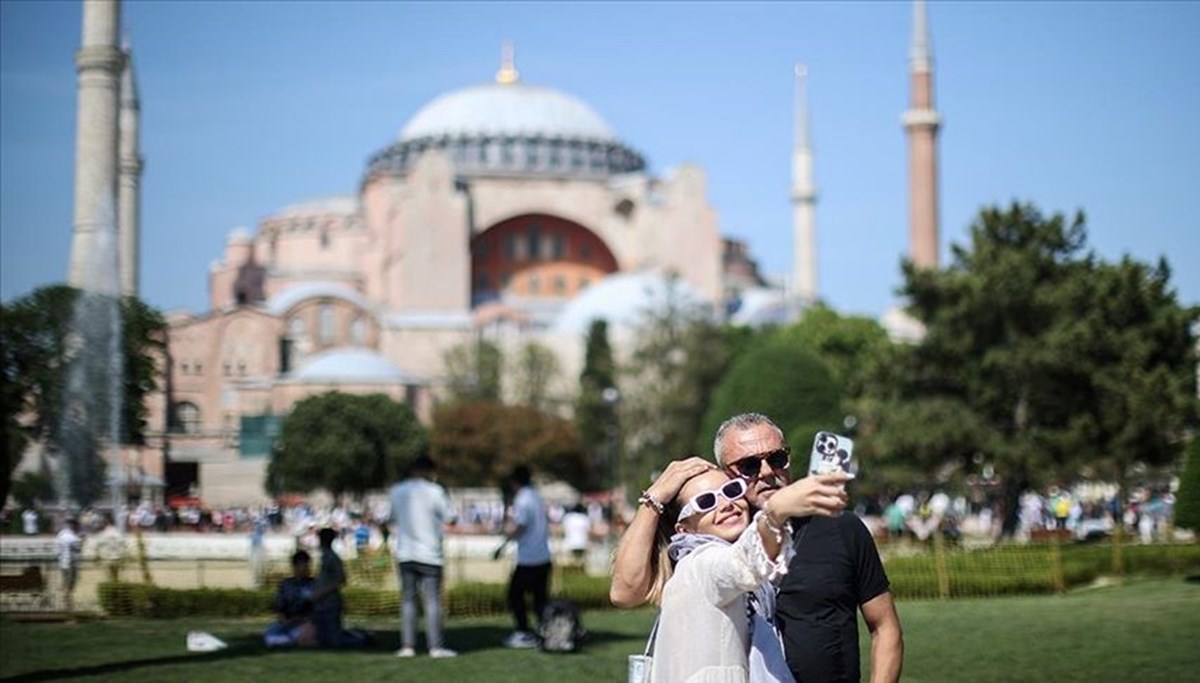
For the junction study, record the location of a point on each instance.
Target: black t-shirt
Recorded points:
(836, 569)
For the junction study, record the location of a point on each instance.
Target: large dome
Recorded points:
(509, 128)
(507, 109)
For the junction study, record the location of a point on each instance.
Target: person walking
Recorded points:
(420, 511)
(70, 547)
(528, 527)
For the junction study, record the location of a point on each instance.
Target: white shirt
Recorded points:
(703, 631)
(419, 509)
(533, 545)
(70, 545)
(29, 521)
(576, 526)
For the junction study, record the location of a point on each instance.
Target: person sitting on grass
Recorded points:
(327, 598)
(294, 605)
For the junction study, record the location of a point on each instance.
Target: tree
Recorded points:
(55, 336)
(674, 366)
(345, 444)
(1187, 504)
(534, 377)
(473, 371)
(478, 444)
(594, 416)
(849, 345)
(784, 381)
(1039, 360)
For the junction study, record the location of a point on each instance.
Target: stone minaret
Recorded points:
(921, 123)
(99, 62)
(804, 200)
(129, 194)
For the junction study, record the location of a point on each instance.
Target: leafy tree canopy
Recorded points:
(478, 444)
(594, 416)
(678, 357)
(1039, 359)
(535, 374)
(53, 337)
(473, 371)
(849, 345)
(345, 443)
(786, 382)
(1187, 503)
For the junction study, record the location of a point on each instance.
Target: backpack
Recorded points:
(560, 628)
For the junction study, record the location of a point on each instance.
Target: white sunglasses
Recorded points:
(703, 502)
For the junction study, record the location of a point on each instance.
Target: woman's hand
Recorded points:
(819, 494)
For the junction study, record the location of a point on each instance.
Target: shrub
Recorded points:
(782, 380)
(122, 599)
(148, 601)
(1187, 504)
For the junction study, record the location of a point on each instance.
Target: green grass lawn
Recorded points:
(1142, 631)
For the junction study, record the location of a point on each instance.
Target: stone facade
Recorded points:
(447, 238)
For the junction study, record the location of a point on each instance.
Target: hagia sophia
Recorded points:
(505, 210)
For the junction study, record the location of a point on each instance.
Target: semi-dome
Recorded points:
(351, 366)
(622, 299)
(510, 128)
(507, 109)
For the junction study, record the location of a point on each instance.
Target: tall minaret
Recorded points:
(921, 123)
(129, 192)
(804, 200)
(99, 62)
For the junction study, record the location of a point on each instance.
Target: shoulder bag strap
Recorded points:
(653, 634)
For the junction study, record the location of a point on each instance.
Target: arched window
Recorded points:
(325, 324)
(187, 417)
(534, 235)
(358, 332)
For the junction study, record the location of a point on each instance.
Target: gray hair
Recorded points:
(739, 422)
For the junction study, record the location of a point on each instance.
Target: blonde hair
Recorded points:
(661, 566)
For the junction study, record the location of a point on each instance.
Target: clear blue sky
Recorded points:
(248, 107)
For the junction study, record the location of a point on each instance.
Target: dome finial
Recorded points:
(507, 74)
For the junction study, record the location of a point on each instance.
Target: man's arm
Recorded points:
(887, 638)
(631, 572)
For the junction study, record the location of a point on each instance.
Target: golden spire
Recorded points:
(507, 74)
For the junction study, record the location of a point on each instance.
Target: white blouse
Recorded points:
(703, 632)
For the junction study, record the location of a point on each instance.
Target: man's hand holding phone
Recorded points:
(832, 453)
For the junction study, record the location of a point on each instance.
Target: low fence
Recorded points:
(940, 570)
(31, 581)
(141, 583)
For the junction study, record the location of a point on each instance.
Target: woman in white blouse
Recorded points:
(712, 582)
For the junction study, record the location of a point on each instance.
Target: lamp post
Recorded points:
(612, 398)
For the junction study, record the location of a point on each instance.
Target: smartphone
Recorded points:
(831, 453)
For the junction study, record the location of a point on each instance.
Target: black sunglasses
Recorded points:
(750, 466)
